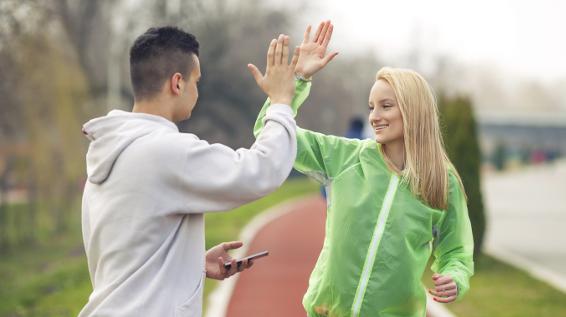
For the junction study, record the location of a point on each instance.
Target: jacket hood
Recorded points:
(110, 135)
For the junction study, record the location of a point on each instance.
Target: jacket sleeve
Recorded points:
(215, 177)
(455, 246)
(318, 155)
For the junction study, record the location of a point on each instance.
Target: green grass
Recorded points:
(51, 278)
(500, 290)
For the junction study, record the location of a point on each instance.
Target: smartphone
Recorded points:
(261, 254)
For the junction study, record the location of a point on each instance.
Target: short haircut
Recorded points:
(156, 55)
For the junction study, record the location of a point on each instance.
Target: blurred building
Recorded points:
(522, 137)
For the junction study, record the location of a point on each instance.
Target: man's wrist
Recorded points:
(285, 101)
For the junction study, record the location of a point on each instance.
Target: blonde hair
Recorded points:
(426, 161)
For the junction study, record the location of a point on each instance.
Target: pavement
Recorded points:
(526, 217)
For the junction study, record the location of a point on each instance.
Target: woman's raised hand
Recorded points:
(312, 52)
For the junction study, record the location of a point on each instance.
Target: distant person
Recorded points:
(356, 129)
(149, 185)
(394, 200)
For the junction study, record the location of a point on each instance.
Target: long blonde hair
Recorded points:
(426, 161)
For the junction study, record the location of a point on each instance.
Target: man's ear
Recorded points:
(176, 83)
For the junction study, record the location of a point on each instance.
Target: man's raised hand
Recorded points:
(278, 81)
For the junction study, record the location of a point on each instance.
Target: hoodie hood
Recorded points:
(110, 135)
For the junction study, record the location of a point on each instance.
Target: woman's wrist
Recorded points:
(303, 77)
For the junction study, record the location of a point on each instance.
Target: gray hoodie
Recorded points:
(142, 212)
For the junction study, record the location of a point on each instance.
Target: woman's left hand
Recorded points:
(218, 255)
(446, 290)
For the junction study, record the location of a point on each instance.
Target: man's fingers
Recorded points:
(278, 50)
(329, 57)
(318, 30)
(323, 32)
(255, 73)
(221, 265)
(232, 244)
(295, 57)
(271, 54)
(307, 34)
(327, 36)
(285, 57)
(244, 265)
(233, 268)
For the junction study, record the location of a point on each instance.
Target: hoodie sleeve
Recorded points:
(319, 156)
(455, 247)
(214, 177)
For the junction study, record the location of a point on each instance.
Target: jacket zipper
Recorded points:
(374, 245)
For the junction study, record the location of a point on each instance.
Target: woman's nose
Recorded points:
(374, 116)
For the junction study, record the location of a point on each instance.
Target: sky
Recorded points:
(525, 38)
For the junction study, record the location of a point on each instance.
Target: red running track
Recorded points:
(276, 284)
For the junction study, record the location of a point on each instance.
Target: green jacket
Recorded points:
(379, 235)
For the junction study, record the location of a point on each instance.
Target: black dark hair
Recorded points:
(156, 55)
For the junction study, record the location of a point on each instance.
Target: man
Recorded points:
(149, 185)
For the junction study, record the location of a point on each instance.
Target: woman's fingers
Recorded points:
(318, 31)
(443, 279)
(329, 57)
(444, 293)
(328, 35)
(323, 32)
(307, 34)
(445, 290)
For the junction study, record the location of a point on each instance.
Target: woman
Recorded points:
(392, 201)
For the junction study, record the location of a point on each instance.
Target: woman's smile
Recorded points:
(379, 127)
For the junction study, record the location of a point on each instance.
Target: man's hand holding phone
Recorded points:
(248, 259)
(220, 265)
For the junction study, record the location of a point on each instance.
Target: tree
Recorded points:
(460, 137)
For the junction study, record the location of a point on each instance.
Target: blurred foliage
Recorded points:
(65, 59)
(41, 140)
(461, 141)
(51, 278)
